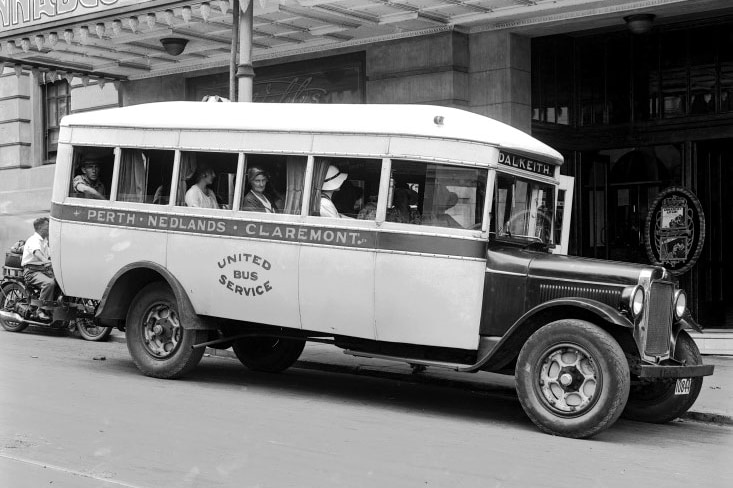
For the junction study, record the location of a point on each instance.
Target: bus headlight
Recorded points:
(632, 299)
(680, 303)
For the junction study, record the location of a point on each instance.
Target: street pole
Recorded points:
(234, 53)
(245, 72)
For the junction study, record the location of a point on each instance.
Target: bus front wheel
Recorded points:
(158, 343)
(572, 378)
(654, 400)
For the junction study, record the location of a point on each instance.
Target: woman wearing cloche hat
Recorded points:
(332, 183)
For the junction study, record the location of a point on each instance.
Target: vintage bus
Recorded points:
(422, 234)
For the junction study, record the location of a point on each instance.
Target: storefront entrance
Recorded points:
(713, 170)
(618, 187)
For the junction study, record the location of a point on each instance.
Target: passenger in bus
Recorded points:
(256, 199)
(443, 200)
(200, 195)
(87, 184)
(332, 183)
(402, 200)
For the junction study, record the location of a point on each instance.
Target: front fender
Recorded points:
(507, 349)
(129, 280)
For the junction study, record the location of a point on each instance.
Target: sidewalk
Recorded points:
(715, 403)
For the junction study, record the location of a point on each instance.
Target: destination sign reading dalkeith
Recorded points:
(527, 164)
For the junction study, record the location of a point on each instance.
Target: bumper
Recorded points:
(656, 371)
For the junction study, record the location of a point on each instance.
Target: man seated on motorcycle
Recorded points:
(36, 264)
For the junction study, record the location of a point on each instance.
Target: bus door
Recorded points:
(430, 264)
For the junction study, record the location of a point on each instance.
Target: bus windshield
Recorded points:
(523, 209)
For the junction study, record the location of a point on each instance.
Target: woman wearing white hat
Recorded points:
(332, 183)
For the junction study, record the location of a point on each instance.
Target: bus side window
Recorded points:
(81, 176)
(273, 183)
(145, 176)
(439, 195)
(351, 188)
(219, 190)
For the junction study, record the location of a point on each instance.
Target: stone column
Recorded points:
(500, 77)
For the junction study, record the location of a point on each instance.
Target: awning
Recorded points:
(121, 39)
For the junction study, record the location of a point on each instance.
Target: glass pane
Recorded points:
(702, 70)
(674, 73)
(619, 78)
(591, 82)
(52, 113)
(206, 179)
(439, 195)
(273, 184)
(63, 108)
(726, 68)
(523, 209)
(92, 172)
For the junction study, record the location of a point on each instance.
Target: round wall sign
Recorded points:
(675, 230)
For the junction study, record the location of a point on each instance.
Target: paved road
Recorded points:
(68, 420)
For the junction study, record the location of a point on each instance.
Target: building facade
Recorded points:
(633, 92)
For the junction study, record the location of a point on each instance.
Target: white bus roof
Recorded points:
(409, 120)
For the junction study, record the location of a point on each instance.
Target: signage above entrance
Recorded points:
(526, 164)
(675, 230)
(17, 14)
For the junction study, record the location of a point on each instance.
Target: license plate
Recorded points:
(683, 386)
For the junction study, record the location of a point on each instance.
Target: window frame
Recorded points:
(50, 153)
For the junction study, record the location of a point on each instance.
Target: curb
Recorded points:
(707, 417)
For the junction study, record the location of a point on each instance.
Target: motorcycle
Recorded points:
(20, 304)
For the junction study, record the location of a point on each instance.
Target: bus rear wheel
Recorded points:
(159, 344)
(268, 354)
(572, 379)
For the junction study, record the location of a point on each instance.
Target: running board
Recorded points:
(421, 362)
(486, 347)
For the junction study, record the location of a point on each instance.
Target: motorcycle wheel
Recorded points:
(89, 328)
(10, 294)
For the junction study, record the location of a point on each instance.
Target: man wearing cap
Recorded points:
(88, 183)
(36, 263)
(334, 179)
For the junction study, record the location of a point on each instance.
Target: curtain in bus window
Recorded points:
(295, 176)
(320, 167)
(133, 174)
(188, 168)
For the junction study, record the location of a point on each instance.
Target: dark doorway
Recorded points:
(713, 172)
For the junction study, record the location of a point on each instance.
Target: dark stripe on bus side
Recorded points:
(273, 231)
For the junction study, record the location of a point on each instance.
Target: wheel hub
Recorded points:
(568, 380)
(161, 331)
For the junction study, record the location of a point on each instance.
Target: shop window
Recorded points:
(725, 49)
(57, 100)
(91, 172)
(439, 195)
(702, 71)
(207, 179)
(591, 83)
(273, 183)
(552, 82)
